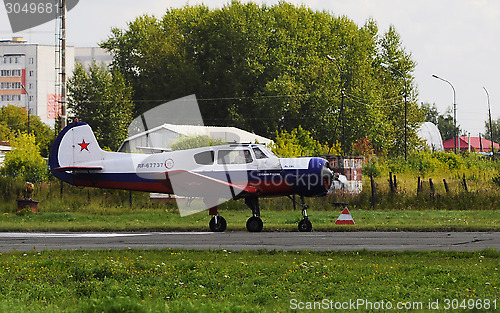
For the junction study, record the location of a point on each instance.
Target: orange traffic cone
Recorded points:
(345, 218)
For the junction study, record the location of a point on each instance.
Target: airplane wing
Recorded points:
(191, 184)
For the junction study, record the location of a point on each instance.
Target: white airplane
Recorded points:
(213, 174)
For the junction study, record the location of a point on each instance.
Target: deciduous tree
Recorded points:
(264, 69)
(103, 99)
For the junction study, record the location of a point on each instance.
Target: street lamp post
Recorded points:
(454, 111)
(491, 127)
(406, 105)
(341, 102)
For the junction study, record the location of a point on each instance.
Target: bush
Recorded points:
(10, 189)
(496, 180)
(25, 161)
(450, 160)
(372, 168)
(422, 162)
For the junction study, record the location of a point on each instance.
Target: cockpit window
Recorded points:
(259, 154)
(204, 158)
(234, 157)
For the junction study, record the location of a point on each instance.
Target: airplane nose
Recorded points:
(327, 176)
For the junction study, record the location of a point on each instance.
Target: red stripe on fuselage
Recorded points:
(142, 186)
(265, 188)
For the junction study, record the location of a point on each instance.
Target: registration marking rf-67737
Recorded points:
(150, 165)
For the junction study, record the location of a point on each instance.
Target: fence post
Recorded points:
(419, 186)
(372, 183)
(431, 187)
(395, 184)
(446, 186)
(391, 184)
(464, 182)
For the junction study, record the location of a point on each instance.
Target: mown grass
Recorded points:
(90, 209)
(366, 220)
(237, 281)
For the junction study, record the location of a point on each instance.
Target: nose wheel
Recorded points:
(217, 224)
(304, 225)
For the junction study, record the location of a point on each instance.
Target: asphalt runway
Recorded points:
(317, 241)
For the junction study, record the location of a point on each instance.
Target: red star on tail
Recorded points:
(84, 145)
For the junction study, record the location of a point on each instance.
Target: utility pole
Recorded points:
(342, 94)
(406, 104)
(343, 120)
(491, 126)
(63, 64)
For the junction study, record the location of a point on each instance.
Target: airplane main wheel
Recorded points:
(305, 226)
(217, 224)
(254, 224)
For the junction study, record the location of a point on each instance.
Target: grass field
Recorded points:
(244, 281)
(253, 281)
(273, 221)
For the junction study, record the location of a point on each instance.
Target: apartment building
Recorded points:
(28, 77)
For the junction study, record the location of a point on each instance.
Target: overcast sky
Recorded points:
(458, 40)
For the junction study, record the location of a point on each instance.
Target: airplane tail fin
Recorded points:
(75, 148)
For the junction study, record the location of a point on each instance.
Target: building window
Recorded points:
(31, 73)
(10, 73)
(32, 61)
(7, 85)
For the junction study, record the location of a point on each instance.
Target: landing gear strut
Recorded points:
(217, 223)
(304, 225)
(254, 223)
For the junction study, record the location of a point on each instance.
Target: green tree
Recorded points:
(299, 142)
(264, 69)
(25, 160)
(196, 141)
(14, 121)
(102, 99)
(496, 129)
(431, 113)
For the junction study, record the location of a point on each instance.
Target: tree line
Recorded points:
(265, 69)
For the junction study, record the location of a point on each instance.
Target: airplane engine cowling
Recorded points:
(315, 181)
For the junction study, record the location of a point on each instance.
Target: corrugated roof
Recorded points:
(475, 144)
(227, 134)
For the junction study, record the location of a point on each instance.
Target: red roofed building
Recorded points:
(477, 144)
